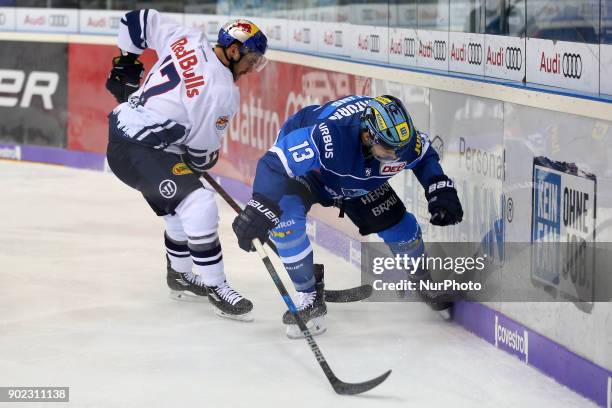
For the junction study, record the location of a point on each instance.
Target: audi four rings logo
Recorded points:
(439, 50)
(474, 56)
(374, 43)
(514, 58)
(572, 65)
(58, 20)
(306, 32)
(337, 38)
(409, 47)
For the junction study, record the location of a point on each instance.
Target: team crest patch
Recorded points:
(222, 122)
(180, 169)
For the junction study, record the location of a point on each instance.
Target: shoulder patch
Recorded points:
(222, 122)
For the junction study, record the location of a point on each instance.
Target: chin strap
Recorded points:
(231, 62)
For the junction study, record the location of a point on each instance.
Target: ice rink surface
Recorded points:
(84, 304)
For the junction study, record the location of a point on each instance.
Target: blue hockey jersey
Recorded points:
(323, 143)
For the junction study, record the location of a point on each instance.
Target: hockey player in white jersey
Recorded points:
(168, 131)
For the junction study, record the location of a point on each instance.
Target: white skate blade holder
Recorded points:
(315, 325)
(185, 296)
(246, 317)
(445, 314)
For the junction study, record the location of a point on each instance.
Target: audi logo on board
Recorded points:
(439, 50)
(212, 28)
(572, 65)
(306, 32)
(409, 47)
(58, 20)
(435, 50)
(374, 43)
(514, 58)
(275, 32)
(505, 57)
(114, 22)
(338, 38)
(472, 54)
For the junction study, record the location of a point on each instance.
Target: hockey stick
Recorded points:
(339, 386)
(334, 296)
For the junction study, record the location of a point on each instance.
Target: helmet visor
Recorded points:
(256, 61)
(383, 152)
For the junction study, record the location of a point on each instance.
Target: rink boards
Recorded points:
(492, 140)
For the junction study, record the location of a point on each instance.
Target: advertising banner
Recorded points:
(100, 21)
(33, 86)
(563, 64)
(403, 46)
(57, 20)
(254, 127)
(333, 38)
(275, 29)
(433, 50)
(7, 18)
(369, 43)
(505, 57)
(209, 23)
(605, 66)
(564, 211)
(89, 102)
(467, 53)
(302, 36)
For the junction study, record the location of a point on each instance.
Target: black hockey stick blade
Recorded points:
(344, 388)
(348, 295)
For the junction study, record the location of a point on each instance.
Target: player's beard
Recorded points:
(235, 74)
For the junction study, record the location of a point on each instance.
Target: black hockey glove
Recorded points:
(124, 78)
(255, 221)
(443, 202)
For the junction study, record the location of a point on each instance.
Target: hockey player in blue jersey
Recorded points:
(342, 154)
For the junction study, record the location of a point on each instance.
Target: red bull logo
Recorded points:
(246, 27)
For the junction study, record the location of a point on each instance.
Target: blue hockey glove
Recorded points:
(442, 202)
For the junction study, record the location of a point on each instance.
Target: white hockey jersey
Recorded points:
(185, 103)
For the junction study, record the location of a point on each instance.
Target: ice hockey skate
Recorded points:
(185, 287)
(440, 301)
(311, 308)
(230, 304)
